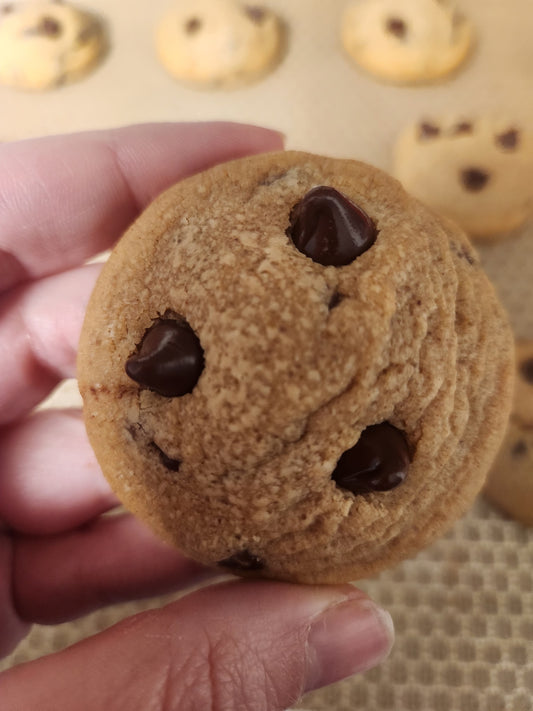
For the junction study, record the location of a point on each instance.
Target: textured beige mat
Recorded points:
(463, 609)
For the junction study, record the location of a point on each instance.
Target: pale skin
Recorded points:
(231, 645)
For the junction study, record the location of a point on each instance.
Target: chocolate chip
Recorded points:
(463, 127)
(168, 462)
(397, 27)
(47, 27)
(242, 560)
(193, 25)
(378, 462)
(526, 370)
(428, 130)
(5, 9)
(519, 449)
(335, 300)
(329, 228)
(255, 13)
(169, 359)
(474, 179)
(509, 139)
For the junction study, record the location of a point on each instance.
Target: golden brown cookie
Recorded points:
(219, 43)
(510, 481)
(476, 171)
(293, 369)
(45, 43)
(406, 41)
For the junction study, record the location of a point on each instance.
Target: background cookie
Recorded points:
(510, 482)
(406, 41)
(278, 398)
(222, 43)
(476, 171)
(45, 43)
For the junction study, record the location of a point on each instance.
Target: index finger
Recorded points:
(66, 198)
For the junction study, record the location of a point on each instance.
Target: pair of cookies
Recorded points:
(291, 368)
(46, 43)
(229, 42)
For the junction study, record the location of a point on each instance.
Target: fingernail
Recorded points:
(351, 637)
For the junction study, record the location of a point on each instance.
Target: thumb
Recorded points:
(252, 646)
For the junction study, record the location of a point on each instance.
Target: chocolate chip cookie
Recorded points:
(510, 481)
(219, 43)
(44, 43)
(406, 41)
(291, 368)
(476, 171)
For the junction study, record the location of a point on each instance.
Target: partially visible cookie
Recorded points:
(46, 43)
(219, 43)
(476, 171)
(291, 368)
(406, 41)
(510, 481)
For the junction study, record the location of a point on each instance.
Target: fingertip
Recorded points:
(347, 639)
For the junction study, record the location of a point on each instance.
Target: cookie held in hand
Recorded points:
(292, 369)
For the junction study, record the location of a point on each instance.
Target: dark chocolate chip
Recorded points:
(509, 139)
(526, 370)
(327, 227)
(8, 7)
(519, 449)
(397, 27)
(193, 25)
(474, 179)
(168, 462)
(428, 130)
(335, 300)
(378, 462)
(463, 127)
(255, 13)
(47, 27)
(242, 560)
(169, 359)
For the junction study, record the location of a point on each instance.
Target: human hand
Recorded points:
(232, 645)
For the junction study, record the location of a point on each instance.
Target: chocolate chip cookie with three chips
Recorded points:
(292, 369)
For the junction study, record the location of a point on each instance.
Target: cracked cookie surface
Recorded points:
(342, 385)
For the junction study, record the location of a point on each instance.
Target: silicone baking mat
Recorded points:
(463, 608)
